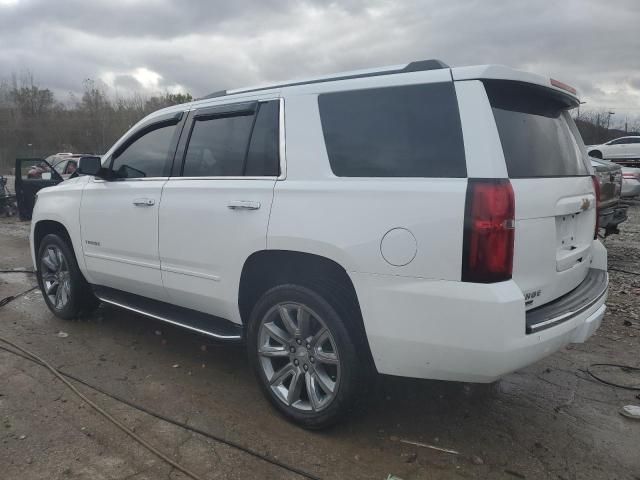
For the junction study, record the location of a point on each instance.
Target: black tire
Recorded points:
(596, 154)
(80, 299)
(352, 368)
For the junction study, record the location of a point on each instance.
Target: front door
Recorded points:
(32, 174)
(119, 217)
(215, 212)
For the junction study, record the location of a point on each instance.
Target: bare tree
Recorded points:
(34, 123)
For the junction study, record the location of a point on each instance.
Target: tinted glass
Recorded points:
(537, 134)
(263, 158)
(147, 156)
(408, 131)
(218, 146)
(620, 141)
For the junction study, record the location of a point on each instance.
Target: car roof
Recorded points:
(495, 72)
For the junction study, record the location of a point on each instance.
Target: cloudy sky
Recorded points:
(201, 46)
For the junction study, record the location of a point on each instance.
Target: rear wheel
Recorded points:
(303, 355)
(64, 288)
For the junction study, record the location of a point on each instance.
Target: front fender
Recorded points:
(61, 204)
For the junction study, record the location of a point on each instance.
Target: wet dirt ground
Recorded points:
(548, 421)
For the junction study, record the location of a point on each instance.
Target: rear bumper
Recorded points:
(460, 331)
(563, 309)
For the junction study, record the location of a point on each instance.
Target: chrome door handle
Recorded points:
(243, 205)
(144, 202)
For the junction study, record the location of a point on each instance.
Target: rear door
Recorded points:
(554, 194)
(31, 175)
(215, 209)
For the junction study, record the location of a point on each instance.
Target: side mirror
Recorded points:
(92, 166)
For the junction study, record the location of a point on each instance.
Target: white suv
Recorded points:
(417, 220)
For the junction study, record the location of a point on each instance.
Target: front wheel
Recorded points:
(303, 355)
(64, 288)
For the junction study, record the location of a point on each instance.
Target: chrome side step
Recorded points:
(198, 322)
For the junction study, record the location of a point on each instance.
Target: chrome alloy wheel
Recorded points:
(299, 357)
(56, 279)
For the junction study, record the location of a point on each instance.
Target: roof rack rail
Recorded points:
(417, 66)
(219, 93)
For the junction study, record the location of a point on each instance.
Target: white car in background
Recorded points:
(623, 148)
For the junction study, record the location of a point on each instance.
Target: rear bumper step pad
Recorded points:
(592, 288)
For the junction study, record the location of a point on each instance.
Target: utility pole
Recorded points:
(609, 119)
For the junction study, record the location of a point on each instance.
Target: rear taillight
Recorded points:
(487, 248)
(596, 191)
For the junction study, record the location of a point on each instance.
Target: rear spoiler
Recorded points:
(500, 72)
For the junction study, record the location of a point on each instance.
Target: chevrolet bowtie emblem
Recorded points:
(585, 204)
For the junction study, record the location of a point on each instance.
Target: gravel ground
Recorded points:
(547, 421)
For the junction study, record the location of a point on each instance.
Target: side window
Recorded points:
(72, 166)
(60, 166)
(406, 131)
(217, 146)
(263, 158)
(634, 140)
(147, 156)
(237, 145)
(620, 141)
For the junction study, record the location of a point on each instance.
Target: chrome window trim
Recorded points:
(283, 143)
(282, 150)
(141, 179)
(229, 177)
(282, 153)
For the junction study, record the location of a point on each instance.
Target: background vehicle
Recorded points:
(623, 150)
(612, 211)
(630, 182)
(65, 163)
(32, 175)
(422, 221)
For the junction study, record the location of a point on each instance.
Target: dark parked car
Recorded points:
(612, 211)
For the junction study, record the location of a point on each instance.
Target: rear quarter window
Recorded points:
(538, 136)
(405, 131)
